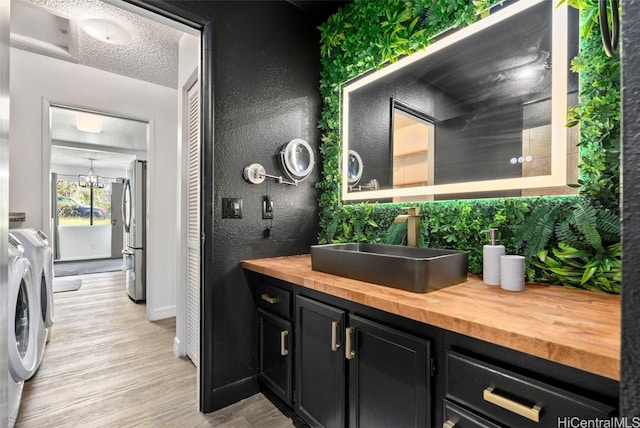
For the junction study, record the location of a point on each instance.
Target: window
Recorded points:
(83, 206)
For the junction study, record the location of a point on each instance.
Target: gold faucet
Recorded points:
(413, 224)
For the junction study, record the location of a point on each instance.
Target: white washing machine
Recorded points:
(38, 251)
(22, 330)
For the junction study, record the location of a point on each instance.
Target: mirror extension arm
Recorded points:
(256, 174)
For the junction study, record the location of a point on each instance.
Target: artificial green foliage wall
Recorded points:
(599, 118)
(366, 35)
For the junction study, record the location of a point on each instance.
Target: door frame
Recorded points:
(48, 214)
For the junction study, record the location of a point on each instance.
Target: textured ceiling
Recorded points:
(151, 55)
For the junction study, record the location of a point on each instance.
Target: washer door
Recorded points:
(23, 310)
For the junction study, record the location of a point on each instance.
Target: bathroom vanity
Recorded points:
(343, 352)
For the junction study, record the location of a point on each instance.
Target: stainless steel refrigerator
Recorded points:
(134, 203)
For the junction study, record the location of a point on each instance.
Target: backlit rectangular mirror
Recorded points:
(480, 112)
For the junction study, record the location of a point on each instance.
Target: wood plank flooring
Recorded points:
(107, 366)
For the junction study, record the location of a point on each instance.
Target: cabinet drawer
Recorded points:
(457, 417)
(512, 399)
(274, 299)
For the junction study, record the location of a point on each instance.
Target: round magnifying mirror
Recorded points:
(354, 168)
(297, 159)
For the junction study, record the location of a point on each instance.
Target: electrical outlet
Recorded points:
(231, 207)
(267, 208)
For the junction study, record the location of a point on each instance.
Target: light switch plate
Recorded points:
(231, 207)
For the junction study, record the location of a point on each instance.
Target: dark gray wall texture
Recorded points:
(265, 82)
(630, 376)
(266, 79)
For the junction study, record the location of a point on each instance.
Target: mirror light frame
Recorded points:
(559, 105)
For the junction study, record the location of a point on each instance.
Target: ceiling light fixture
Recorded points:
(89, 122)
(107, 31)
(91, 179)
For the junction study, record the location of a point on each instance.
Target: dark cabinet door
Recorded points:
(389, 377)
(320, 364)
(276, 356)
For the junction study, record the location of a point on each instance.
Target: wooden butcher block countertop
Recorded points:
(573, 327)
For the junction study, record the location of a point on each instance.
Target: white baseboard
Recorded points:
(177, 347)
(162, 313)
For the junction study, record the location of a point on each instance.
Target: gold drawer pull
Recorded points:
(349, 352)
(449, 424)
(269, 299)
(283, 343)
(531, 413)
(335, 325)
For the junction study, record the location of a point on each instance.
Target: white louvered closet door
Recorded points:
(193, 224)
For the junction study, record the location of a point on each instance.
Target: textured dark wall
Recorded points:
(266, 73)
(630, 378)
(260, 90)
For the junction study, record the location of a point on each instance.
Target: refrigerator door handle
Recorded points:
(126, 206)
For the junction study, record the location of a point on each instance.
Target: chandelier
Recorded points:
(91, 179)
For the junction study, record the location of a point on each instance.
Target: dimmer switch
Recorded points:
(231, 207)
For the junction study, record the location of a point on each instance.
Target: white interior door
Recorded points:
(193, 224)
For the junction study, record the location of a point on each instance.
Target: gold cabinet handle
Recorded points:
(529, 412)
(449, 424)
(268, 298)
(283, 343)
(349, 352)
(335, 325)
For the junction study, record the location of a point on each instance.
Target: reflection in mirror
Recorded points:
(479, 113)
(355, 168)
(413, 149)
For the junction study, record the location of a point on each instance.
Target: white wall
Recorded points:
(85, 242)
(36, 78)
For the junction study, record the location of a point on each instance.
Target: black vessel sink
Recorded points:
(408, 268)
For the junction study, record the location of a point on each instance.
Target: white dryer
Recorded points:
(22, 330)
(38, 251)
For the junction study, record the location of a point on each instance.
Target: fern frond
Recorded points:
(538, 229)
(608, 224)
(567, 233)
(584, 219)
(330, 230)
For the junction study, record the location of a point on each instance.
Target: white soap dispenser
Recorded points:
(491, 259)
